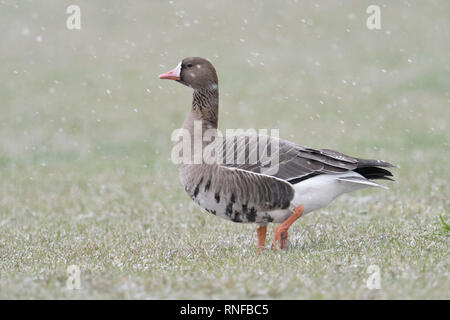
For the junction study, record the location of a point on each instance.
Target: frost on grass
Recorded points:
(85, 175)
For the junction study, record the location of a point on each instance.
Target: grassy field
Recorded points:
(85, 124)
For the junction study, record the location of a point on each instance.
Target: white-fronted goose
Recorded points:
(305, 180)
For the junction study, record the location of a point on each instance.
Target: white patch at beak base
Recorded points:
(173, 74)
(177, 70)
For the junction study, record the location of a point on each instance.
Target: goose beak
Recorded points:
(172, 74)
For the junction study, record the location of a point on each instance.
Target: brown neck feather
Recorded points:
(205, 106)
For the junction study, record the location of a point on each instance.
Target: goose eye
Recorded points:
(189, 65)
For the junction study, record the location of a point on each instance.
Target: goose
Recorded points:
(304, 179)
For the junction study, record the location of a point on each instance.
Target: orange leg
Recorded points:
(261, 238)
(281, 233)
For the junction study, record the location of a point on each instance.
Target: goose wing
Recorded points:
(291, 162)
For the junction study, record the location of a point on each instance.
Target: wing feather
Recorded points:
(293, 162)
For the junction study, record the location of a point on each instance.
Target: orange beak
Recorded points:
(172, 74)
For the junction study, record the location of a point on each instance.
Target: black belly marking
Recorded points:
(217, 197)
(229, 209)
(197, 188)
(207, 185)
(251, 215)
(196, 192)
(237, 217)
(267, 217)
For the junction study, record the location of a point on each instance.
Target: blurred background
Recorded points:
(85, 123)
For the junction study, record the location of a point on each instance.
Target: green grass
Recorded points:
(445, 226)
(86, 177)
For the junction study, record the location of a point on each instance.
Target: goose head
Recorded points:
(194, 72)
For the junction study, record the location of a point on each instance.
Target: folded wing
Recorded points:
(292, 162)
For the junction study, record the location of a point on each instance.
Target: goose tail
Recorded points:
(362, 181)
